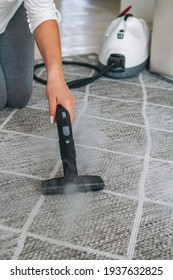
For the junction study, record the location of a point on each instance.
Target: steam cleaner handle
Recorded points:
(66, 141)
(63, 123)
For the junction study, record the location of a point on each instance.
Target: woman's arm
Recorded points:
(48, 41)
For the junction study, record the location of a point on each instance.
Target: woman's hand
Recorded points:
(58, 93)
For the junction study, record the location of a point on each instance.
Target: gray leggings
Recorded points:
(16, 62)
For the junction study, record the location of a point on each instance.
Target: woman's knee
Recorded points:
(15, 94)
(3, 101)
(3, 90)
(20, 97)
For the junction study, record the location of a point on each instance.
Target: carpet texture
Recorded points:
(123, 132)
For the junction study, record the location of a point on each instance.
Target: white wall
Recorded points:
(140, 8)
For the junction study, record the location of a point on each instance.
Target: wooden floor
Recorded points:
(83, 24)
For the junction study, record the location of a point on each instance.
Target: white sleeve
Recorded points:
(39, 11)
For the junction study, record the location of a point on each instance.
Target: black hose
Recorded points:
(76, 83)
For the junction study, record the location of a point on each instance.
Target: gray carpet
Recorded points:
(124, 133)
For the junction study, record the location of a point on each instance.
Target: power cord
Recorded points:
(162, 77)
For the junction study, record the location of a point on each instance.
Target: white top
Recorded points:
(37, 12)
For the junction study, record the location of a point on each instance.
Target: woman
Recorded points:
(22, 21)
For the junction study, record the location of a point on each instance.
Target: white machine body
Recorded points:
(129, 37)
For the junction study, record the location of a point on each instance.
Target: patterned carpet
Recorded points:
(124, 133)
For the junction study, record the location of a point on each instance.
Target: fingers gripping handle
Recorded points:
(66, 142)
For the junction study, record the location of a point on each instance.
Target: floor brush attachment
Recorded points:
(71, 182)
